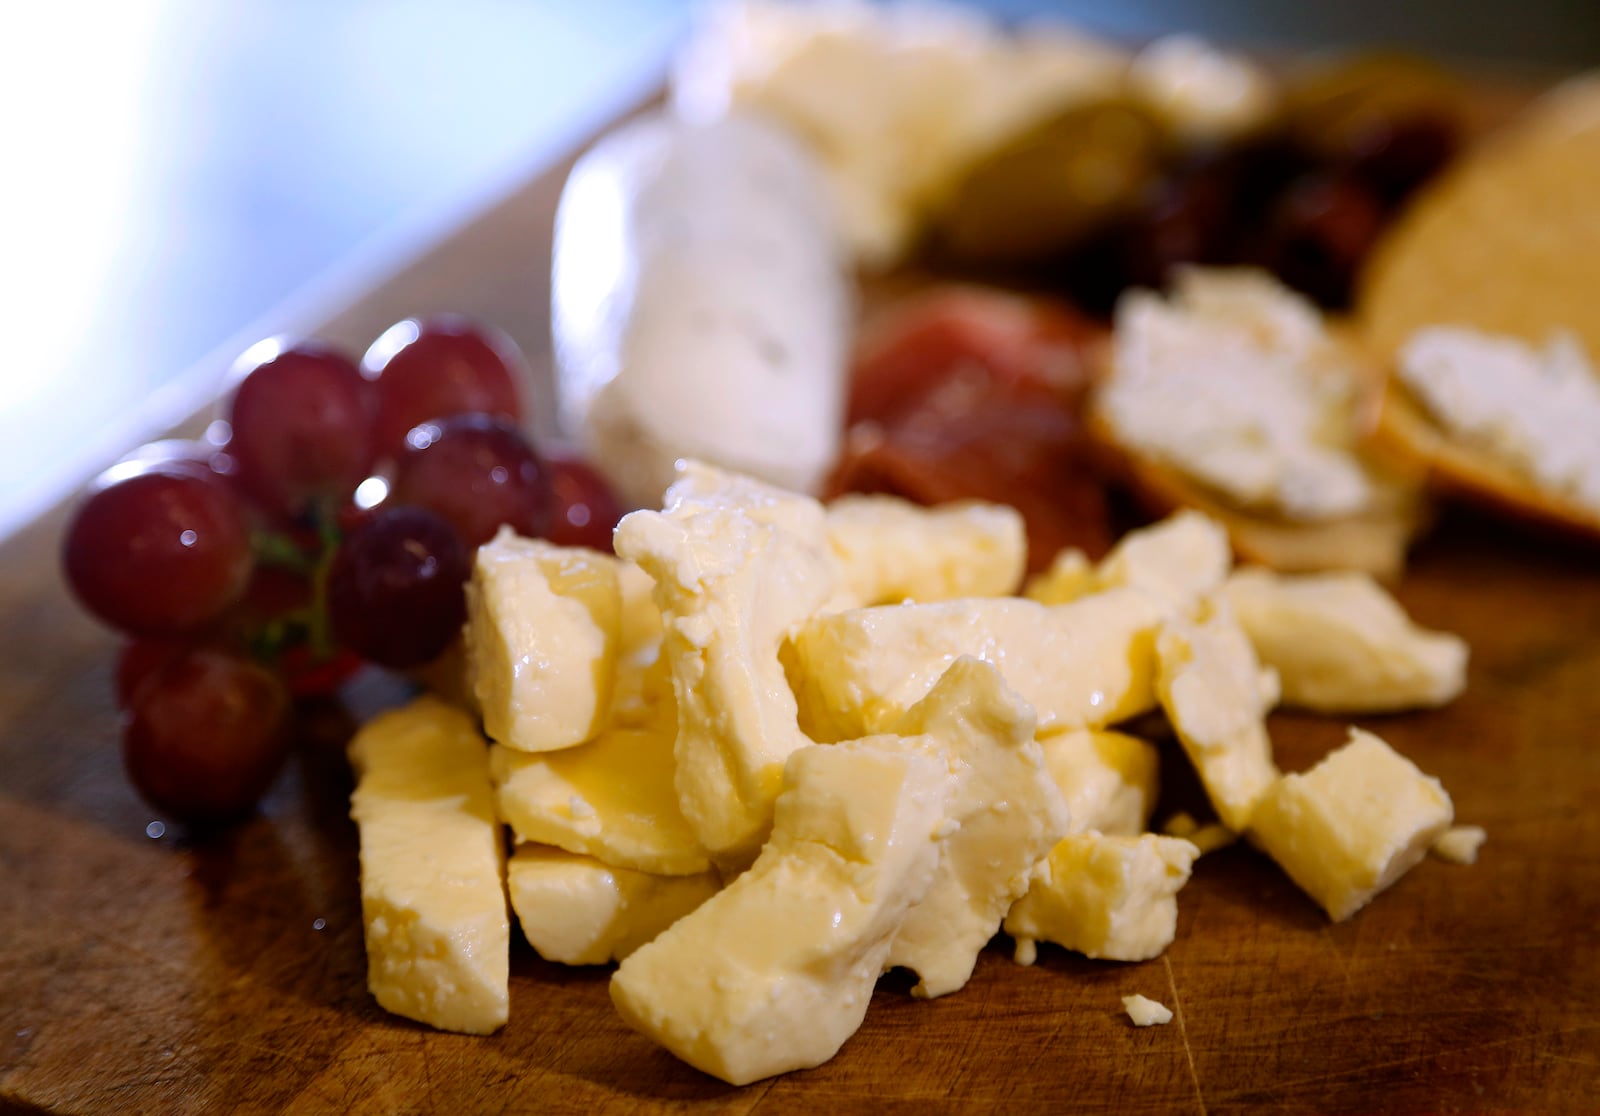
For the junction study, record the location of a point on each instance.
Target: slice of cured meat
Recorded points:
(967, 393)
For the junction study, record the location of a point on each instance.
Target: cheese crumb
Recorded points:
(1459, 844)
(1146, 1012)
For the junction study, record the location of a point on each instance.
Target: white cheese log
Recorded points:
(699, 305)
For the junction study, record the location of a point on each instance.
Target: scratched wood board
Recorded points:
(142, 974)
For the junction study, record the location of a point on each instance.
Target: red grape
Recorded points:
(141, 658)
(430, 368)
(204, 735)
(395, 591)
(157, 549)
(301, 425)
(586, 511)
(477, 472)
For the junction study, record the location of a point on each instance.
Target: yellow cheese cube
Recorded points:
(890, 550)
(543, 630)
(1105, 897)
(1211, 687)
(1085, 664)
(1006, 814)
(432, 895)
(1353, 824)
(612, 798)
(731, 580)
(1109, 779)
(774, 972)
(1341, 644)
(577, 910)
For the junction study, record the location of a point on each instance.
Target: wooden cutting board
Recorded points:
(149, 974)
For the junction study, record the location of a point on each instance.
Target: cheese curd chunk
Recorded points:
(1341, 644)
(731, 582)
(577, 910)
(1085, 664)
(1178, 561)
(890, 550)
(1114, 898)
(1006, 814)
(1235, 384)
(1534, 411)
(1353, 824)
(543, 630)
(1109, 779)
(1212, 688)
(432, 896)
(612, 798)
(774, 973)
(699, 305)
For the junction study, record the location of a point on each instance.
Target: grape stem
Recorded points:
(273, 548)
(320, 631)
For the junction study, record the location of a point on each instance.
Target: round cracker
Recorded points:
(1508, 241)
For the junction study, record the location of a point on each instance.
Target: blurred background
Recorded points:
(187, 173)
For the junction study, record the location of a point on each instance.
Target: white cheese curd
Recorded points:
(1235, 383)
(1536, 411)
(699, 305)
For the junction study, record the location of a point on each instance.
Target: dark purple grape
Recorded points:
(430, 368)
(1319, 235)
(395, 591)
(1395, 156)
(586, 511)
(157, 549)
(1186, 220)
(204, 734)
(478, 472)
(301, 426)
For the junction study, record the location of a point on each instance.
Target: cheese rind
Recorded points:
(543, 630)
(612, 798)
(775, 971)
(1006, 814)
(1211, 686)
(432, 894)
(1109, 779)
(1106, 897)
(890, 550)
(577, 910)
(1085, 664)
(1352, 825)
(737, 565)
(1341, 644)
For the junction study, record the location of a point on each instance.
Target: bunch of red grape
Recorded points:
(328, 519)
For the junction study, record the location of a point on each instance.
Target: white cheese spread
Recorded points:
(1235, 383)
(1535, 411)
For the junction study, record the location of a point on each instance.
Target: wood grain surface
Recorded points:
(153, 974)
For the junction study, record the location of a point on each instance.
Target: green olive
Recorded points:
(1039, 195)
(1332, 111)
